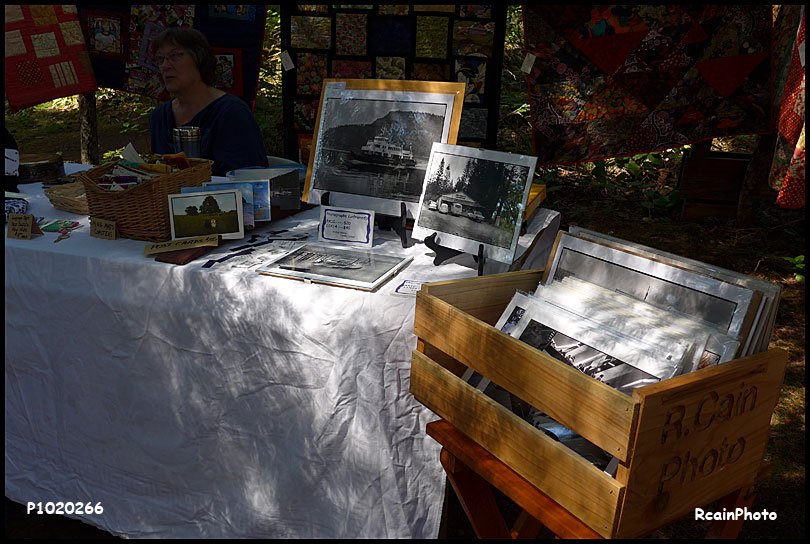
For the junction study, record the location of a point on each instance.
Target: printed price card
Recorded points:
(408, 288)
(346, 226)
(21, 226)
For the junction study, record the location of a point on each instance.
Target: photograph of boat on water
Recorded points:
(373, 141)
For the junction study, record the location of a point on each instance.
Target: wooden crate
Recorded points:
(682, 443)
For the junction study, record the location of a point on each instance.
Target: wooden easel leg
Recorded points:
(742, 498)
(476, 498)
(526, 526)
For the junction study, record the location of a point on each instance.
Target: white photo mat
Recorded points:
(663, 285)
(344, 110)
(462, 222)
(766, 314)
(230, 202)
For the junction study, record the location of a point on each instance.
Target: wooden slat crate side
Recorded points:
(484, 297)
(576, 485)
(594, 410)
(700, 437)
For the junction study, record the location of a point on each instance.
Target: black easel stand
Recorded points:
(388, 222)
(445, 253)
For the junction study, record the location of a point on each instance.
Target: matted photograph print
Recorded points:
(215, 212)
(322, 263)
(372, 146)
(475, 196)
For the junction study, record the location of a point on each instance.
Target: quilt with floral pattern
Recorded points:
(616, 80)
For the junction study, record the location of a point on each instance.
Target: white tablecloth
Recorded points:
(216, 403)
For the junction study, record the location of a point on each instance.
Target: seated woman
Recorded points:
(229, 133)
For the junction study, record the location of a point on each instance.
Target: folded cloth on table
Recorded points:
(16, 205)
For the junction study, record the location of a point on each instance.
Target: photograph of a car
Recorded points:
(475, 196)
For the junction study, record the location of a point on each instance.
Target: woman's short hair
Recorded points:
(196, 44)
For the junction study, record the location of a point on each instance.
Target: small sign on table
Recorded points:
(22, 226)
(346, 226)
(101, 228)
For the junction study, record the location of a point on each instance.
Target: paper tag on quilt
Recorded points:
(286, 61)
(528, 63)
(346, 226)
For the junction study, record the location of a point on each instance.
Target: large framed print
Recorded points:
(344, 267)
(475, 196)
(373, 140)
(762, 328)
(727, 306)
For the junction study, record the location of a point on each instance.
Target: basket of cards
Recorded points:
(135, 195)
(69, 197)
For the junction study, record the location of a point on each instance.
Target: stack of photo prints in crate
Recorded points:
(628, 316)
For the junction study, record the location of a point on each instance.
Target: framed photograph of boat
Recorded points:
(475, 196)
(373, 140)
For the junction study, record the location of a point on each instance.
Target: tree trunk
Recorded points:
(755, 182)
(88, 128)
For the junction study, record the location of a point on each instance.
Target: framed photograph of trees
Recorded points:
(475, 196)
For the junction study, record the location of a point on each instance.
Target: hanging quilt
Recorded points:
(120, 44)
(788, 170)
(451, 42)
(46, 55)
(615, 80)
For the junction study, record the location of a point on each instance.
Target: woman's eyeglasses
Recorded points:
(173, 56)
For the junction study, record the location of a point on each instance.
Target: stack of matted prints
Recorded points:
(629, 315)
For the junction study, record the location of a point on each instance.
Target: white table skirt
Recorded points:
(215, 403)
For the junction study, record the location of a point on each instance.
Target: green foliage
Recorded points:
(111, 155)
(798, 267)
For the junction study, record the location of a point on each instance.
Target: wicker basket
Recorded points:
(142, 212)
(69, 197)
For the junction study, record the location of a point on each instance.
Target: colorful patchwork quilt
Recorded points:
(788, 169)
(46, 55)
(120, 36)
(453, 42)
(614, 80)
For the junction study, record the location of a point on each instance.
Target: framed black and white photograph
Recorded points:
(475, 196)
(760, 337)
(727, 306)
(373, 141)
(202, 213)
(344, 267)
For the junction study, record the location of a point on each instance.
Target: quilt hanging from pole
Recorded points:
(616, 80)
(788, 170)
(46, 55)
(120, 43)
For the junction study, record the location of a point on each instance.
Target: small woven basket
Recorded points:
(69, 197)
(142, 212)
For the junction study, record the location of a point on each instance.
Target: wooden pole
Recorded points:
(88, 128)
